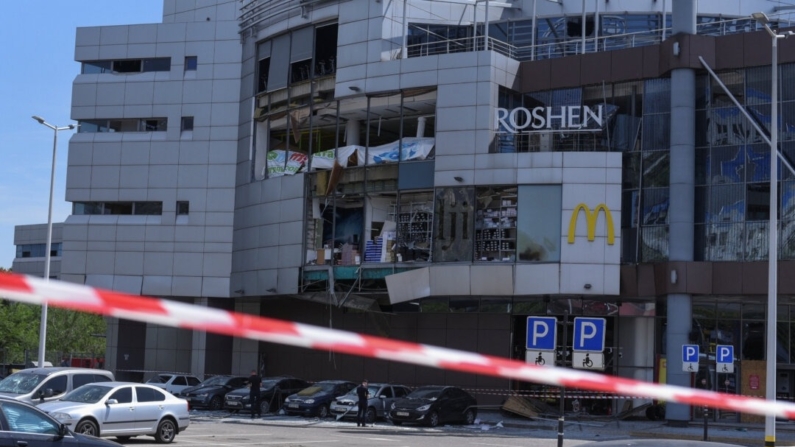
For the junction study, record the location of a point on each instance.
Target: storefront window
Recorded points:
(529, 306)
(454, 211)
(539, 223)
(414, 227)
(495, 224)
(495, 304)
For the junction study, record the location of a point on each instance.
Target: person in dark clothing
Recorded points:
(363, 395)
(254, 382)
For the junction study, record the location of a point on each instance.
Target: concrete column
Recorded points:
(352, 129)
(245, 355)
(681, 206)
(421, 126)
(198, 345)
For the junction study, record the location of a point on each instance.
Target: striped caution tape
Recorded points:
(569, 395)
(188, 316)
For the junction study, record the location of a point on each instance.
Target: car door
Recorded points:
(385, 398)
(455, 403)
(119, 417)
(54, 387)
(22, 425)
(150, 404)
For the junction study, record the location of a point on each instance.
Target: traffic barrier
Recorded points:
(188, 316)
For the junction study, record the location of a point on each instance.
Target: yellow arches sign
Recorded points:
(590, 221)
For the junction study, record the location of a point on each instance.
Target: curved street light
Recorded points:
(48, 255)
(772, 275)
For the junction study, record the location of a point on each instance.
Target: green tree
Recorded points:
(68, 332)
(19, 330)
(80, 333)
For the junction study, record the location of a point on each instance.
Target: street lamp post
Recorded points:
(772, 274)
(48, 248)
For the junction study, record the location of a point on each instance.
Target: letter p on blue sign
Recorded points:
(725, 354)
(541, 333)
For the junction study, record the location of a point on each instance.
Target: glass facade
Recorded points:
(732, 160)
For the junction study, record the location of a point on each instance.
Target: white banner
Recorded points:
(277, 166)
(413, 149)
(325, 159)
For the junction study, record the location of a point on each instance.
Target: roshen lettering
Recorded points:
(543, 118)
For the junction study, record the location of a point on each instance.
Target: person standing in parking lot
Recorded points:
(254, 383)
(362, 394)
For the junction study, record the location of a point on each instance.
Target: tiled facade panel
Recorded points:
(187, 255)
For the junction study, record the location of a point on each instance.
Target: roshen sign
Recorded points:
(540, 119)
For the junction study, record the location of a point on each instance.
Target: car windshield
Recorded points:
(317, 388)
(87, 394)
(21, 383)
(425, 393)
(160, 378)
(371, 391)
(217, 380)
(268, 384)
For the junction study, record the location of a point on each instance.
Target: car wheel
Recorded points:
(264, 407)
(433, 419)
(216, 403)
(469, 417)
(370, 415)
(123, 438)
(322, 412)
(166, 431)
(87, 427)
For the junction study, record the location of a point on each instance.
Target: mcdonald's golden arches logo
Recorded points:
(590, 220)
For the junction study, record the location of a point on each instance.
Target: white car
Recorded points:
(121, 409)
(174, 383)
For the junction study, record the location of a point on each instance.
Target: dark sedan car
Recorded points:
(211, 393)
(272, 393)
(22, 424)
(316, 399)
(434, 405)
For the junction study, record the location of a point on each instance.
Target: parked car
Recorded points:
(316, 399)
(36, 385)
(173, 383)
(123, 410)
(22, 424)
(273, 391)
(380, 398)
(434, 405)
(211, 393)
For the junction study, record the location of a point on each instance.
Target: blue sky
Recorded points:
(37, 71)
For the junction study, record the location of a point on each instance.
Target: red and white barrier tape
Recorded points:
(168, 313)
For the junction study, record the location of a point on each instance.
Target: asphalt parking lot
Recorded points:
(493, 429)
(225, 429)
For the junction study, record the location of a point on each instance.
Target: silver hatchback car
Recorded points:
(121, 409)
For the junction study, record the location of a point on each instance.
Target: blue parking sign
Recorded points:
(690, 354)
(541, 333)
(724, 354)
(690, 358)
(589, 334)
